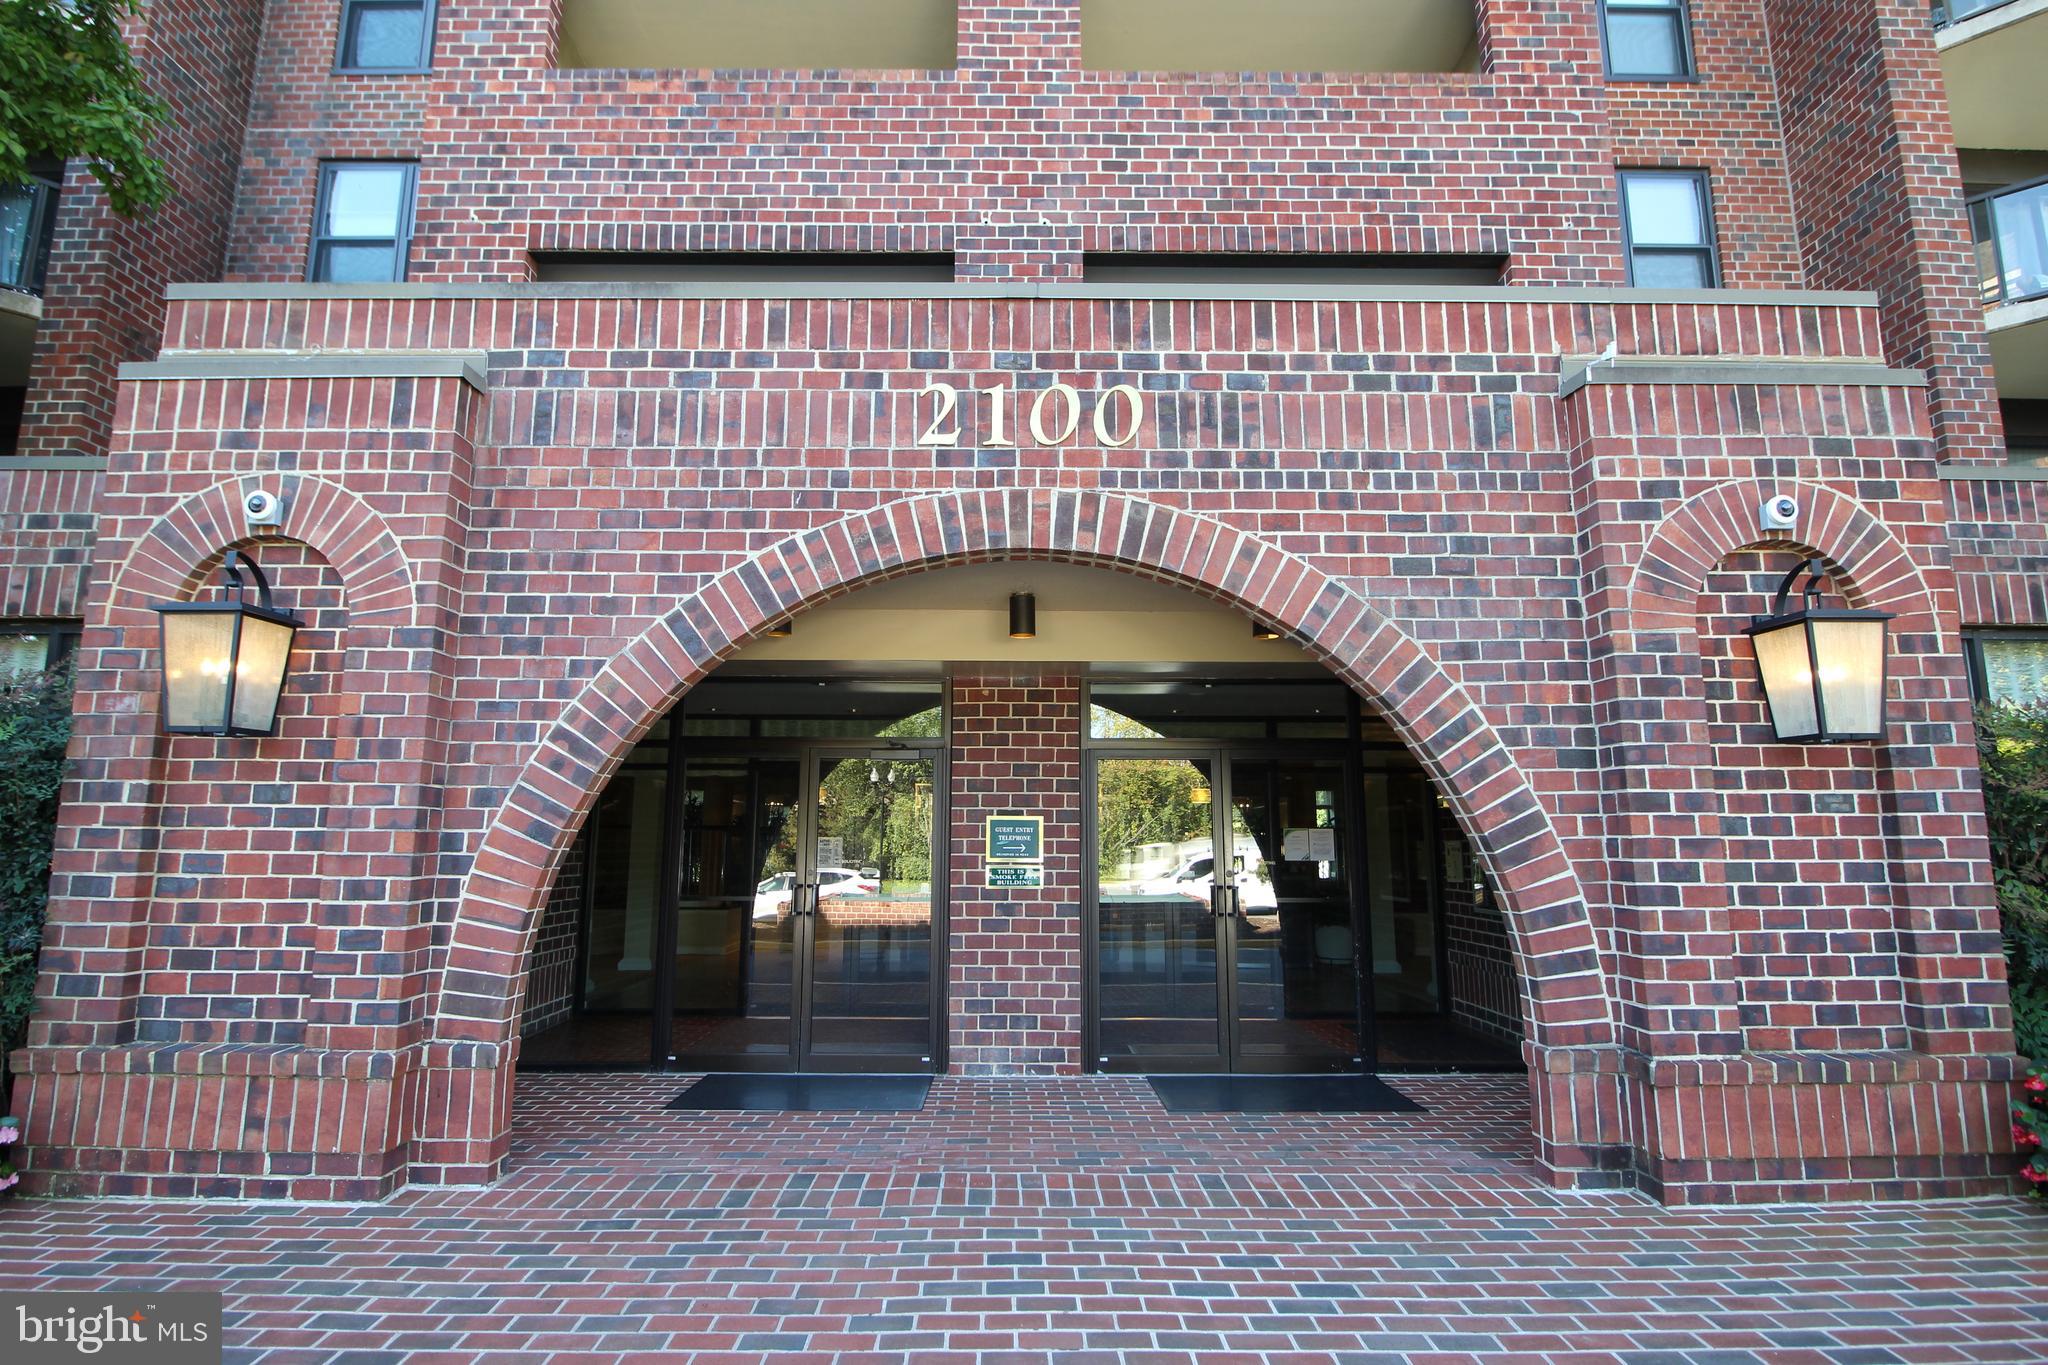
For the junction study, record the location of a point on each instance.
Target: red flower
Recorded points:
(2025, 1137)
(2036, 1176)
(2036, 1083)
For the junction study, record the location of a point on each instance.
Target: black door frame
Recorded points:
(1221, 753)
(808, 752)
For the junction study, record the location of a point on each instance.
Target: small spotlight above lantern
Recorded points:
(1823, 668)
(782, 629)
(1023, 616)
(224, 662)
(1263, 631)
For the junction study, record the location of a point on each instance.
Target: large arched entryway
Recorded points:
(1151, 837)
(1480, 781)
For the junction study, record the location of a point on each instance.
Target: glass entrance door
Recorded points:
(803, 925)
(866, 936)
(1223, 918)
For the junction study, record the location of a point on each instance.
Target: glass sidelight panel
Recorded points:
(1400, 808)
(871, 950)
(625, 898)
(1296, 980)
(735, 933)
(1156, 961)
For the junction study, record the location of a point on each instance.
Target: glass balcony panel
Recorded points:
(1948, 12)
(27, 216)
(2012, 248)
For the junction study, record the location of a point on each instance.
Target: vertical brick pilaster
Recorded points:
(1014, 971)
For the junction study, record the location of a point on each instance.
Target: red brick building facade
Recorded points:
(529, 508)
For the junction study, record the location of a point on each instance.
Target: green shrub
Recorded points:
(35, 726)
(2012, 748)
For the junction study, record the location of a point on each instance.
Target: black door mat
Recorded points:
(752, 1093)
(1281, 1095)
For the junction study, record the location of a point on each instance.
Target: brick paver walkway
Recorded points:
(1071, 1220)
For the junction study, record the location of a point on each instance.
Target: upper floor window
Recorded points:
(362, 222)
(1647, 39)
(1669, 222)
(386, 35)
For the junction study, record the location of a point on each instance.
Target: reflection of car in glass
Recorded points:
(771, 897)
(1195, 876)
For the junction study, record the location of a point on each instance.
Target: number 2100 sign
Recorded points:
(1052, 414)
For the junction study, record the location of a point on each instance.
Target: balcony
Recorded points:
(782, 35)
(1992, 54)
(1338, 37)
(2011, 229)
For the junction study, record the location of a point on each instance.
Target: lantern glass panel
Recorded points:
(1787, 669)
(1851, 655)
(197, 648)
(259, 673)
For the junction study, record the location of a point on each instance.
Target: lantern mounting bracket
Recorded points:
(232, 569)
(1815, 575)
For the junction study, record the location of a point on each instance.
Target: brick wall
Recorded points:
(1879, 195)
(1014, 968)
(103, 301)
(1533, 588)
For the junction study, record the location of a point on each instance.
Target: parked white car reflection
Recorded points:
(771, 897)
(1197, 875)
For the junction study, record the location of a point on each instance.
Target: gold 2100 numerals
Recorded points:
(1055, 415)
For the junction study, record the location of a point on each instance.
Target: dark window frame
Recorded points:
(428, 15)
(1704, 187)
(1973, 652)
(1688, 71)
(60, 635)
(401, 243)
(1978, 207)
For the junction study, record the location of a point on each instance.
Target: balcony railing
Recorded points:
(2011, 228)
(28, 215)
(1948, 12)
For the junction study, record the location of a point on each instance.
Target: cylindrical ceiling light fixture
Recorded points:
(1023, 616)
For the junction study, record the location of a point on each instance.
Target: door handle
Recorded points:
(803, 899)
(1222, 901)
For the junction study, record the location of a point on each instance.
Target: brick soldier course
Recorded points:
(1519, 521)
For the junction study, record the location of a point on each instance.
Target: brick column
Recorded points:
(1013, 996)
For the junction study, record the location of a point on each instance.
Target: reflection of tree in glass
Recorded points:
(1140, 801)
(919, 725)
(883, 810)
(778, 854)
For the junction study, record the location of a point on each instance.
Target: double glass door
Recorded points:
(1223, 919)
(802, 932)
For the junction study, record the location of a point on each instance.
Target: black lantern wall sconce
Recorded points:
(224, 662)
(1823, 668)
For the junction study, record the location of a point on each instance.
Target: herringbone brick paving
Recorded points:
(1069, 1219)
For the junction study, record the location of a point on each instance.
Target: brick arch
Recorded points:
(1557, 949)
(1673, 569)
(340, 527)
